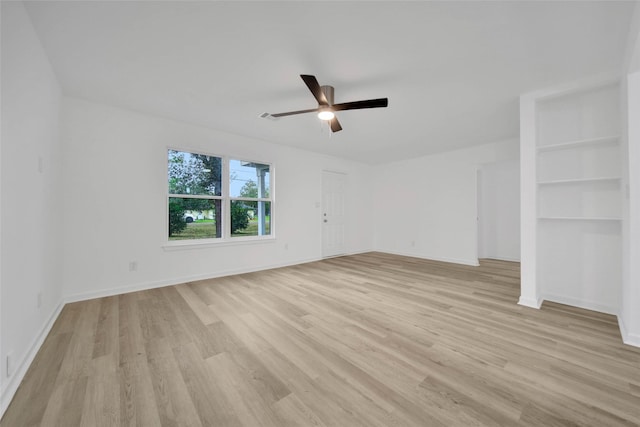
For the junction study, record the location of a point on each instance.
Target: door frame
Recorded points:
(323, 248)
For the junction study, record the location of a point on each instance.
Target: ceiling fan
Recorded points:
(326, 108)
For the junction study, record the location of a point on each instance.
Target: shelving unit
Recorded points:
(607, 140)
(579, 218)
(584, 198)
(585, 180)
(573, 184)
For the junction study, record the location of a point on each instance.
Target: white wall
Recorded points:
(426, 207)
(30, 220)
(629, 317)
(499, 210)
(632, 49)
(630, 305)
(115, 196)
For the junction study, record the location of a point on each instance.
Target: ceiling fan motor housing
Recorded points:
(328, 93)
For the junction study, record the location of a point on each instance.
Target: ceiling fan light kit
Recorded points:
(326, 114)
(326, 108)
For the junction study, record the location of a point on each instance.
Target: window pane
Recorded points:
(196, 174)
(250, 218)
(248, 179)
(194, 218)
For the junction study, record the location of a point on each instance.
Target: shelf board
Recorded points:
(580, 218)
(580, 143)
(580, 180)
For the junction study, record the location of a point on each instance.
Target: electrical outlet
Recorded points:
(10, 363)
(133, 265)
(413, 243)
(286, 246)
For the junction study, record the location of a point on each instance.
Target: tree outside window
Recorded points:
(250, 188)
(197, 199)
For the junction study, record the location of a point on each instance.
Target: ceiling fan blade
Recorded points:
(314, 87)
(357, 105)
(335, 125)
(291, 113)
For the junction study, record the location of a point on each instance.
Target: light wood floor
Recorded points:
(365, 340)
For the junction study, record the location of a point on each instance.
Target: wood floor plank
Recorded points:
(294, 412)
(204, 313)
(209, 400)
(101, 407)
(175, 407)
(364, 340)
(137, 403)
(106, 336)
(222, 369)
(39, 383)
(66, 403)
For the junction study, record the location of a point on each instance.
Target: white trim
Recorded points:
(179, 280)
(349, 253)
(471, 262)
(323, 210)
(628, 338)
(334, 256)
(477, 197)
(501, 258)
(580, 180)
(14, 382)
(532, 303)
(579, 218)
(225, 202)
(601, 140)
(11, 386)
(580, 303)
(529, 292)
(180, 245)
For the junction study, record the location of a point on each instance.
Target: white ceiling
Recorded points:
(452, 71)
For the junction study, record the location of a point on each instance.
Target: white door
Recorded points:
(499, 211)
(333, 213)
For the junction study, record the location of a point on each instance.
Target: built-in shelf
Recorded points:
(580, 180)
(579, 218)
(580, 143)
(572, 201)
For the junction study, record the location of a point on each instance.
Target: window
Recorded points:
(213, 197)
(249, 194)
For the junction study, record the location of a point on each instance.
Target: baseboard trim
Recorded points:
(178, 280)
(501, 258)
(185, 279)
(14, 382)
(628, 338)
(530, 302)
(471, 262)
(576, 302)
(83, 296)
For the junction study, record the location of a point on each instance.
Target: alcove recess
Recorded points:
(578, 197)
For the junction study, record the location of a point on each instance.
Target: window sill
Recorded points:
(181, 245)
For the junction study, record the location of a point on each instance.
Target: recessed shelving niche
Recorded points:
(576, 190)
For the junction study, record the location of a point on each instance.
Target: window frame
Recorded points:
(250, 199)
(225, 198)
